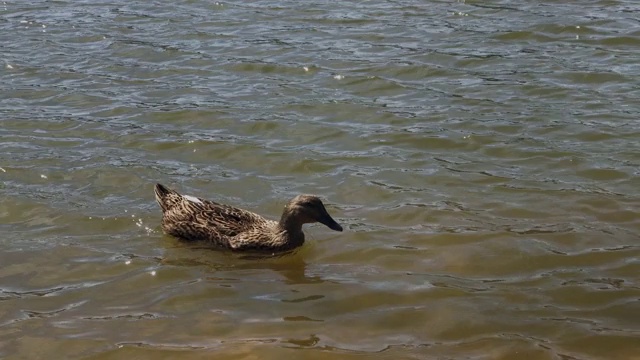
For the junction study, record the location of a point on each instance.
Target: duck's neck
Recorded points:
(292, 227)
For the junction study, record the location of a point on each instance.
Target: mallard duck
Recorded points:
(191, 218)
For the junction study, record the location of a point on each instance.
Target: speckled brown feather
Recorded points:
(192, 218)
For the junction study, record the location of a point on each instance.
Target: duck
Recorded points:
(191, 218)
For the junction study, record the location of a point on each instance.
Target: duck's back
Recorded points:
(191, 218)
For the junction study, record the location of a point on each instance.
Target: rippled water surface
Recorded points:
(482, 156)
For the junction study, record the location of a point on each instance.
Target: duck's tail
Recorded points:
(162, 196)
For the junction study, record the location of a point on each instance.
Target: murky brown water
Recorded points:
(483, 158)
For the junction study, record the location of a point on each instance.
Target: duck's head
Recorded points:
(309, 209)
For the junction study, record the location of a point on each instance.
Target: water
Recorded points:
(482, 156)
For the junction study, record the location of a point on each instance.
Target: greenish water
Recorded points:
(483, 158)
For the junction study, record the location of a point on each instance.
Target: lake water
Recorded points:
(482, 156)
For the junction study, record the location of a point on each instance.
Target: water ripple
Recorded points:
(483, 157)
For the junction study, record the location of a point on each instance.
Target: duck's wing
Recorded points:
(227, 220)
(185, 214)
(192, 231)
(207, 220)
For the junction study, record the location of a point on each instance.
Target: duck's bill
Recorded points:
(330, 223)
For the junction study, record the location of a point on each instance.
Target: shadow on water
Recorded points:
(291, 264)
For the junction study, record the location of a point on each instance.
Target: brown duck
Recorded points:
(191, 218)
